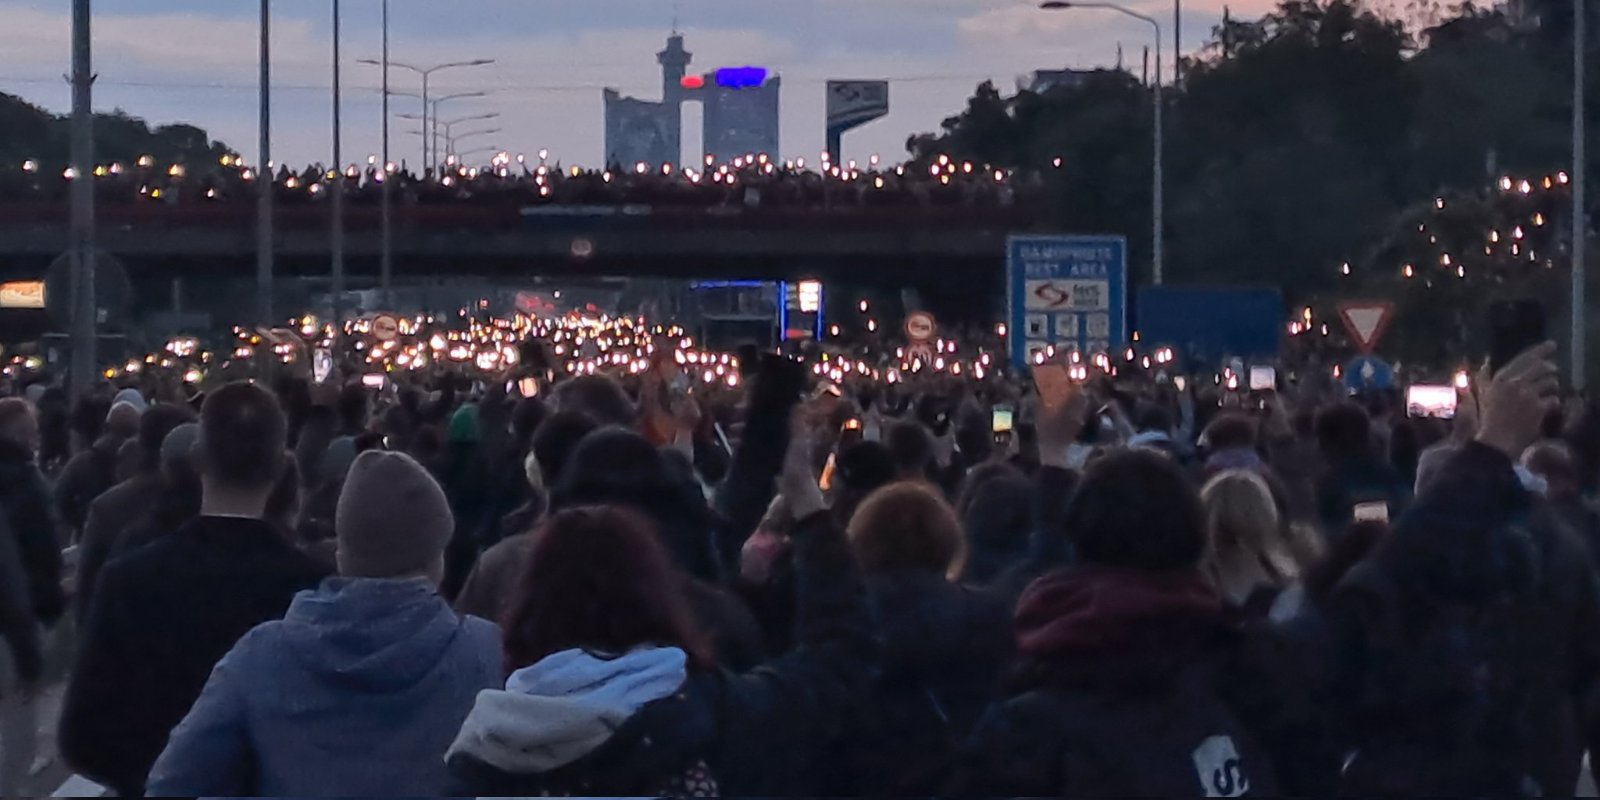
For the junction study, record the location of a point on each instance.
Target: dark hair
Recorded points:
(154, 426)
(1136, 509)
(911, 446)
(599, 396)
(242, 436)
(89, 417)
(613, 466)
(1344, 432)
(598, 580)
(12, 409)
(1000, 511)
(975, 435)
(908, 526)
(1229, 431)
(556, 438)
(1154, 418)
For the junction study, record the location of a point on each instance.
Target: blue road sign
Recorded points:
(1366, 373)
(1069, 291)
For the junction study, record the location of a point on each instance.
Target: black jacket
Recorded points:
(1125, 688)
(110, 515)
(18, 626)
(26, 503)
(1467, 643)
(87, 476)
(758, 732)
(944, 649)
(162, 618)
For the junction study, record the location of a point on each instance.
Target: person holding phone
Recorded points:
(1468, 639)
(1357, 480)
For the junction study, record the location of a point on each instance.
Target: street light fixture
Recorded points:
(452, 141)
(1156, 200)
(427, 73)
(449, 127)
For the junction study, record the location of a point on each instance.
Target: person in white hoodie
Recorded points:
(361, 687)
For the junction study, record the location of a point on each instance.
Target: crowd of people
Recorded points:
(511, 576)
(748, 182)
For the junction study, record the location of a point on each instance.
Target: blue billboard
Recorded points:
(1209, 325)
(1067, 291)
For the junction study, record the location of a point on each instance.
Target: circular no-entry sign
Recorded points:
(921, 327)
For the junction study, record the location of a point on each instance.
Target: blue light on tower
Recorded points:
(741, 77)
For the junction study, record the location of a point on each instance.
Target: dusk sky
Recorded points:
(195, 61)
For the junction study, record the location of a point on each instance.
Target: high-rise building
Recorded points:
(740, 105)
(741, 120)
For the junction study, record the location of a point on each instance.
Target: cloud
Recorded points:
(200, 66)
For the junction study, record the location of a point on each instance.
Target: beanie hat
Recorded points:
(392, 518)
(133, 398)
(178, 448)
(464, 425)
(336, 460)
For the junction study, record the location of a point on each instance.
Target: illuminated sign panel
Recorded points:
(741, 77)
(22, 294)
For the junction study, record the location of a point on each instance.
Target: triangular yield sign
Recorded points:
(1366, 321)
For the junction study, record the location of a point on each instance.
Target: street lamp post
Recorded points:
(452, 140)
(1580, 220)
(431, 131)
(338, 185)
(264, 178)
(433, 125)
(1156, 201)
(84, 307)
(492, 148)
(426, 73)
(386, 259)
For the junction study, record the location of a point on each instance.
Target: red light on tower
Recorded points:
(693, 82)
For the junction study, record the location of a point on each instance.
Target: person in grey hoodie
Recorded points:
(361, 688)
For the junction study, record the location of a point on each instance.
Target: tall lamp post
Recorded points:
(338, 185)
(1156, 201)
(451, 141)
(427, 73)
(84, 308)
(386, 258)
(264, 176)
(449, 127)
(431, 126)
(1580, 220)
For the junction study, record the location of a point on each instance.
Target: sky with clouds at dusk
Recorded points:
(195, 61)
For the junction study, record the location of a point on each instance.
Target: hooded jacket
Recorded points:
(643, 724)
(356, 692)
(1121, 693)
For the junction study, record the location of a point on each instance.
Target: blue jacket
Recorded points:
(358, 691)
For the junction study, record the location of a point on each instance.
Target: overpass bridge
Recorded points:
(887, 247)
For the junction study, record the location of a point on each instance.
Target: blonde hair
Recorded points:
(1246, 544)
(908, 525)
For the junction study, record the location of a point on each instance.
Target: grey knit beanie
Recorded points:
(393, 519)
